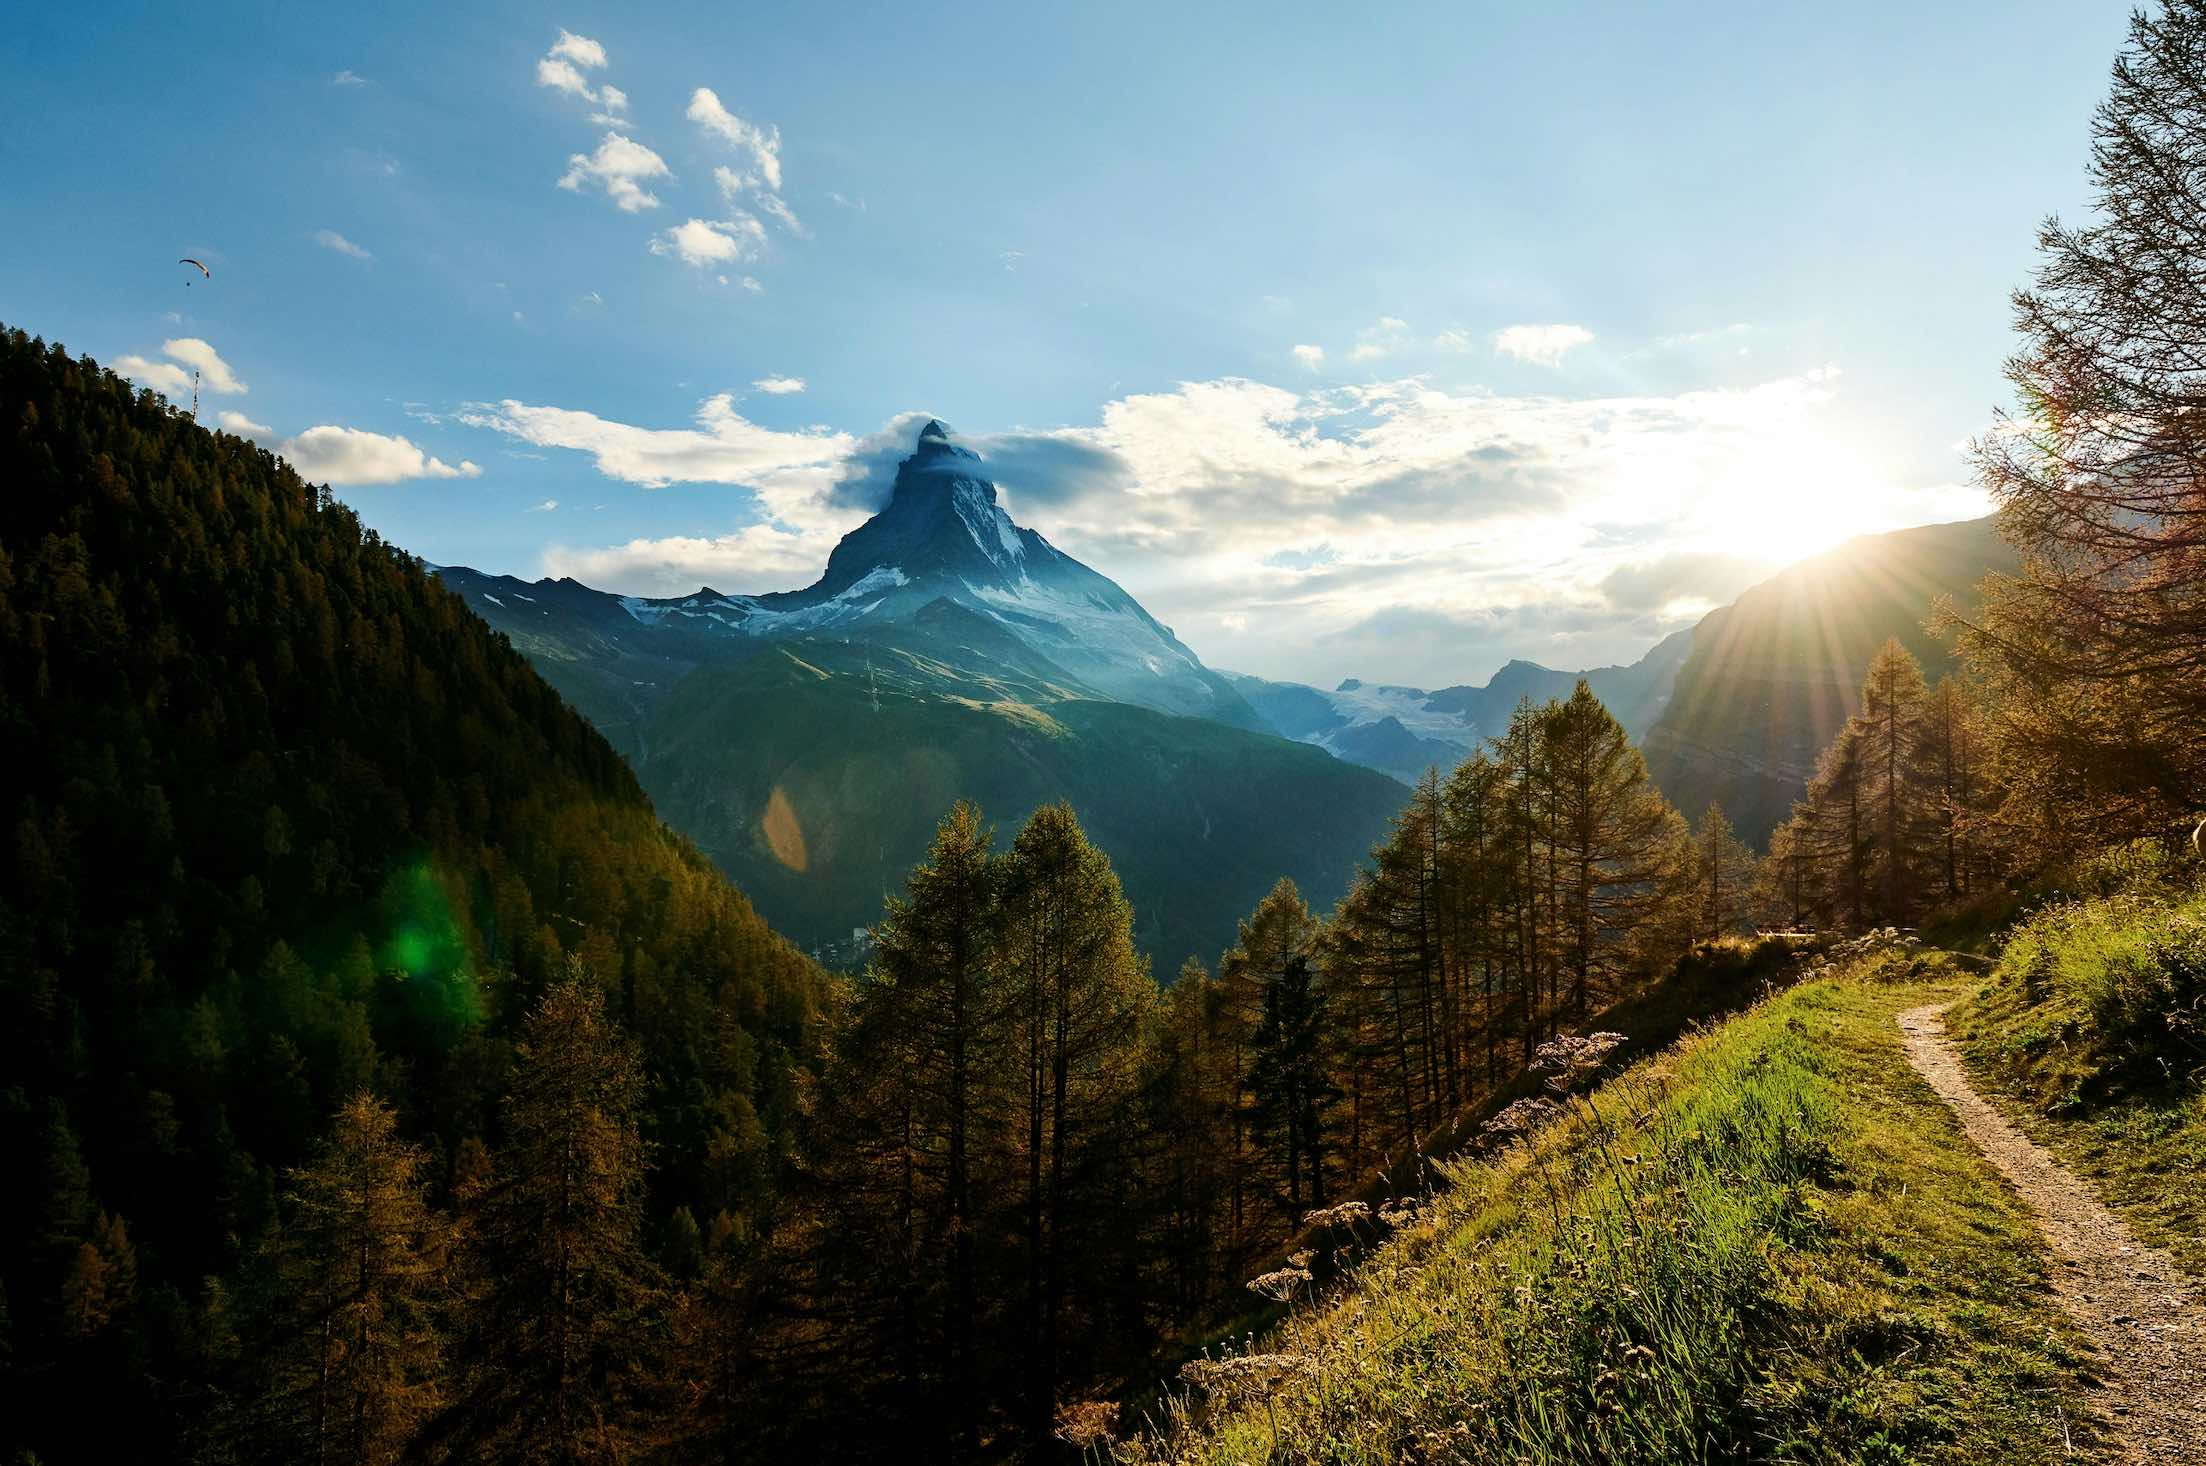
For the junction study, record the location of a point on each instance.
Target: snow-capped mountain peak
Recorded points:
(943, 537)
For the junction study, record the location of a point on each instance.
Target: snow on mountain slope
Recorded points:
(944, 537)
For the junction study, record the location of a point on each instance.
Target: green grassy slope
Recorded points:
(815, 774)
(2092, 1032)
(1769, 1243)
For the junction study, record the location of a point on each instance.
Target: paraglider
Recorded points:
(204, 272)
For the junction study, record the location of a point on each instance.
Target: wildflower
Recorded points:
(1522, 1117)
(1085, 1424)
(1281, 1285)
(1300, 1259)
(1243, 1375)
(1337, 1216)
(1573, 1057)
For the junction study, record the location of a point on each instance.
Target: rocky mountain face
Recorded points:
(809, 741)
(944, 537)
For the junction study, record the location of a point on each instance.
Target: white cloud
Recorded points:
(704, 242)
(331, 239)
(348, 78)
(1541, 345)
(161, 376)
(1312, 357)
(773, 205)
(1011, 258)
(581, 50)
(749, 282)
(561, 69)
(215, 373)
(339, 455)
(723, 448)
(1453, 339)
(1571, 531)
(619, 166)
(243, 426)
(790, 480)
(1382, 338)
(841, 201)
(174, 376)
(760, 146)
(544, 508)
(779, 386)
(562, 76)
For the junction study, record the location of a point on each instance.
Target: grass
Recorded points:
(1769, 1243)
(2092, 1032)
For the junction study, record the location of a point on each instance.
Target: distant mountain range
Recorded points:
(810, 740)
(1404, 730)
(1735, 710)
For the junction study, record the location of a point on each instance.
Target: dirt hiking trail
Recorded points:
(2146, 1317)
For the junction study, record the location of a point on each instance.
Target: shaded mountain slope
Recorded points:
(287, 820)
(1772, 677)
(815, 774)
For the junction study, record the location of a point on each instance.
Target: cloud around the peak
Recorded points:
(1285, 530)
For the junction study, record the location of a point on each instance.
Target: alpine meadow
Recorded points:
(1458, 734)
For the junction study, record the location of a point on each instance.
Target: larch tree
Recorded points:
(1081, 999)
(1891, 729)
(562, 1343)
(353, 1359)
(1727, 874)
(2095, 654)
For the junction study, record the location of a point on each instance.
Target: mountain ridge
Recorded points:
(944, 653)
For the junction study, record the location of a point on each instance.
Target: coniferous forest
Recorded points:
(387, 1070)
(382, 1081)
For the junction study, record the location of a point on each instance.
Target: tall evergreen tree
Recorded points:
(2095, 653)
(1082, 1001)
(1289, 1086)
(1727, 875)
(351, 1357)
(560, 1360)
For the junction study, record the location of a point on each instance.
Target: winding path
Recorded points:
(2146, 1317)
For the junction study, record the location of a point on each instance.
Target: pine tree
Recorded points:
(1289, 1087)
(1727, 875)
(2096, 653)
(1615, 842)
(1891, 722)
(561, 1356)
(351, 1358)
(1082, 1002)
(920, 1094)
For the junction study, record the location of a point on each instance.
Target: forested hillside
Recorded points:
(1773, 676)
(289, 826)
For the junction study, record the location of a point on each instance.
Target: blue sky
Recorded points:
(1387, 345)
